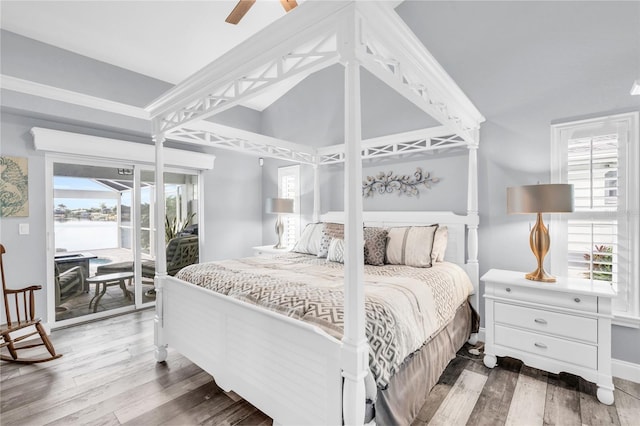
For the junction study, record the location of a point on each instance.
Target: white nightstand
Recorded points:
(561, 326)
(262, 250)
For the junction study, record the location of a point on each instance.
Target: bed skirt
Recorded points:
(408, 389)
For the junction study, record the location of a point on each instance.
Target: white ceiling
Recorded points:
(167, 40)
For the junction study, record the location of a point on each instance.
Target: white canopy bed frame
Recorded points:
(311, 378)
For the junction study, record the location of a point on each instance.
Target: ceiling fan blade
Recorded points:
(239, 11)
(288, 4)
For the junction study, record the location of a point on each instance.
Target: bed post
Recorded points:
(161, 261)
(316, 193)
(472, 227)
(355, 349)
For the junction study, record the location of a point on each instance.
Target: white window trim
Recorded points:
(560, 133)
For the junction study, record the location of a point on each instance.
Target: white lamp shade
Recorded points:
(279, 205)
(546, 198)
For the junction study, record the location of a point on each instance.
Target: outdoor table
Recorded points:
(107, 280)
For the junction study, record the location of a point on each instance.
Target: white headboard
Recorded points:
(456, 224)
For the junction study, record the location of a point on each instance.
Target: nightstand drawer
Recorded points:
(552, 298)
(539, 320)
(550, 347)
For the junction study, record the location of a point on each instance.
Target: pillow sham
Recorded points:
(330, 230)
(439, 244)
(410, 246)
(309, 242)
(375, 244)
(336, 250)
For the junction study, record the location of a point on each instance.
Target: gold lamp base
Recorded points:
(539, 242)
(540, 275)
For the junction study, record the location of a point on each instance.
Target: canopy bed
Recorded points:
(296, 371)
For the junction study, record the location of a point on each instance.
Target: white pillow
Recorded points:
(439, 244)
(411, 246)
(309, 242)
(336, 250)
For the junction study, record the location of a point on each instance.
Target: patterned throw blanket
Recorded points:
(405, 306)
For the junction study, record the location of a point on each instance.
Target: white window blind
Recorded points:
(289, 187)
(599, 240)
(592, 233)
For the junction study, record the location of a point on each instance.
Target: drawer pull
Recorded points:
(540, 321)
(508, 289)
(577, 300)
(540, 345)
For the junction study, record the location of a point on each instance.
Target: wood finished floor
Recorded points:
(108, 376)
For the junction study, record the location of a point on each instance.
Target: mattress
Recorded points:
(405, 306)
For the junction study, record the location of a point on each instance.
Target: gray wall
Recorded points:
(232, 210)
(524, 65)
(35, 61)
(312, 113)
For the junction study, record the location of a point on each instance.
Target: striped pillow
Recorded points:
(410, 246)
(309, 242)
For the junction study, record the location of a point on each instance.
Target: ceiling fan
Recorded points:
(243, 7)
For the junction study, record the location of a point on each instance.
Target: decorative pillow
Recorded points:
(439, 244)
(336, 250)
(329, 231)
(375, 244)
(309, 242)
(411, 246)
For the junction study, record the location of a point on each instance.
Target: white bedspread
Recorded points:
(404, 306)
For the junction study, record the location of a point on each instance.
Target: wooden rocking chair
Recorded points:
(24, 307)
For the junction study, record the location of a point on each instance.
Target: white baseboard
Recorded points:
(622, 369)
(625, 370)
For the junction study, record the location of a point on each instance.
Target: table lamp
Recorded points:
(279, 206)
(541, 198)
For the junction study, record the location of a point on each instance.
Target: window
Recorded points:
(289, 187)
(600, 238)
(592, 168)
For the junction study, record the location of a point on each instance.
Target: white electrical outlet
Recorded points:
(23, 229)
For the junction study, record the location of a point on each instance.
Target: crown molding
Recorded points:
(75, 98)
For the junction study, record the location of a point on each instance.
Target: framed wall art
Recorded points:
(14, 187)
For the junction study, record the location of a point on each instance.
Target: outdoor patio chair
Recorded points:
(21, 303)
(69, 283)
(181, 252)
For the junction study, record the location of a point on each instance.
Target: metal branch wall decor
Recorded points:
(386, 183)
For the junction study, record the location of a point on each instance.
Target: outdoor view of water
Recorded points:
(85, 235)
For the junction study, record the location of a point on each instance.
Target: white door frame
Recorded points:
(50, 159)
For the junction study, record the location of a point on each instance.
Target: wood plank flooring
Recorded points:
(108, 376)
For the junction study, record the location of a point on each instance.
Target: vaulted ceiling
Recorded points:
(167, 40)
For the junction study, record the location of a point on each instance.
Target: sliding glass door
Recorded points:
(93, 255)
(103, 242)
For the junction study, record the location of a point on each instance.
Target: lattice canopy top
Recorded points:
(306, 40)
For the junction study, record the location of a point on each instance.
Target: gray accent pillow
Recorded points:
(375, 245)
